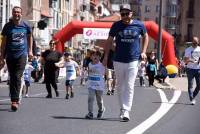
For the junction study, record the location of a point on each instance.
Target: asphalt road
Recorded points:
(154, 112)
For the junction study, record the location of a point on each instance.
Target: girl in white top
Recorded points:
(96, 84)
(72, 70)
(141, 72)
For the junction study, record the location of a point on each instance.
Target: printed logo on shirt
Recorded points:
(127, 36)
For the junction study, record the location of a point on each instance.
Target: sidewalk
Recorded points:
(178, 83)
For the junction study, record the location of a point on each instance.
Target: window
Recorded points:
(125, 1)
(157, 8)
(189, 32)
(147, 9)
(157, 20)
(190, 13)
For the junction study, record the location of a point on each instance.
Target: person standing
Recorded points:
(192, 59)
(142, 72)
(127, 33)
(48, 59)
(151, 69)
(15, 47)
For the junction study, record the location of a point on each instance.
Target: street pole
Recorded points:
(160, 34)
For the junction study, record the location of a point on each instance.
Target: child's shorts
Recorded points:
(27, 83)
(69, 82)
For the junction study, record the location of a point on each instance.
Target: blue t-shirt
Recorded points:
(127, 40)
(16, 39)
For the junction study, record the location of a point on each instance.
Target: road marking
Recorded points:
(163, 109)
(5, 100)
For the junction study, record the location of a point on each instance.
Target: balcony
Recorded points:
(171, 14)
(171, 26)
(173, 2)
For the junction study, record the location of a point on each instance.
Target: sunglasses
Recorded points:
(125, 14)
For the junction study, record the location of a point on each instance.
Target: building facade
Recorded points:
(188, 22)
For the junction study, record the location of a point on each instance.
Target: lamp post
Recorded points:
(160, 33)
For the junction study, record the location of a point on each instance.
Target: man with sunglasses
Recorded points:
(192, 59)
(127, 33)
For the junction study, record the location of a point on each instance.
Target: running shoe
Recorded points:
(124, 115)
(193, 102)
(49, 96)
(109, 92)
(112, 92)
(14, 106)
(72, 95)
(101, 113)
(89, 116)
(67, 96)
(57, 93)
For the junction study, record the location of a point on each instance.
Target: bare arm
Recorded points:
(145, 42)
(107, 47)
(30, 45)
(3, 45)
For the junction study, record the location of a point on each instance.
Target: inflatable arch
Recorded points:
(76, 27)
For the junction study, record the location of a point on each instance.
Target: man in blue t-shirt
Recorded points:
(15, 47)
(127, 33)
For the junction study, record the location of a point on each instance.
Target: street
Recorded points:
(154, 111)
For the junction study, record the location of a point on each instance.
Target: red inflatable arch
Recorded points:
(76, 27)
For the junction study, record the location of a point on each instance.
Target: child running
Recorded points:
(96, 85)
(72, 70)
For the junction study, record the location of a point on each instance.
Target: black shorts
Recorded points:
(69, 82)
(27, 83)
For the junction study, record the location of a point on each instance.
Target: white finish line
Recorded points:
(163, 109)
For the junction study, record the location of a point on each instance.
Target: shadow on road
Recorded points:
(82, 118)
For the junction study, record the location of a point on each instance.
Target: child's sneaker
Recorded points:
(26, 96)
(67, 96)
(72, 95)
(89, 116)
(100, 113)
(57, 93)
(193, 102)
(109, 92)
(112, 92)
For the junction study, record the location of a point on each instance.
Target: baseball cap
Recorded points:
(125, 7)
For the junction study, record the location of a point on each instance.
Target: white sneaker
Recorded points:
(193, 102)
(26, 95)
(124, 116)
